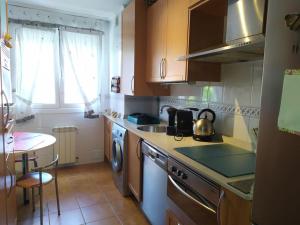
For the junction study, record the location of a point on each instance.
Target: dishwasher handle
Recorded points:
(189, 196)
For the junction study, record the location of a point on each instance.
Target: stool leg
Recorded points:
(33, 201)
(57, 196)
(41, 204)
(25, 171)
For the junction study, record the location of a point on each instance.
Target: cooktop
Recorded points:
(226, 159)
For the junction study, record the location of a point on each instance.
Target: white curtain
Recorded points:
(81, 62)
(31, 45)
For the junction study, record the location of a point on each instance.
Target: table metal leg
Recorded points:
(25, 171)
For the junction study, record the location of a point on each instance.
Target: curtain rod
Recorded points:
(53, 11)
(50, 25)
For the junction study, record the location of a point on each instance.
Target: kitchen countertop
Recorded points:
(167, 145)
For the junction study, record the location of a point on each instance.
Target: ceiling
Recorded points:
(102, 9)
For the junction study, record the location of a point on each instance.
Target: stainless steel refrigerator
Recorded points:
(277, 188)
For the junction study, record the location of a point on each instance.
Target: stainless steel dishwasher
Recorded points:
(155, 180)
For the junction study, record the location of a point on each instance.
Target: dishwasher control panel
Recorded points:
(207, 188)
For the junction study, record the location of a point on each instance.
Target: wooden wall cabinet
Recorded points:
(107, 139)
(172, 30)
(133, 63)
(235, 210)
(193, 2)
(172, 219)
(134, 166)
(156, 38)
(167, 31)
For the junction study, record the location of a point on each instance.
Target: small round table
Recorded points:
(27, 142)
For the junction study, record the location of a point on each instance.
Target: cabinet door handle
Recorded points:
(160, 69)
(10, 140)
(137, 148)
(132, 84)
(164, 68)
(219, 207)
(7, 106)
(11, 180)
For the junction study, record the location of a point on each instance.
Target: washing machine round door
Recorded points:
(117, 159)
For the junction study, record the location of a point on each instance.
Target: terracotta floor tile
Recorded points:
(114, 195)
(72, 217)
(108, 221)
(124, 206)
(25, 212)
(85, 200)
(87, 195)
(66, 204)
(133, 219)
(34, 221)
(97, 212)
(108, 187)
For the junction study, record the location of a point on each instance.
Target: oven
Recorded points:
(196, 197)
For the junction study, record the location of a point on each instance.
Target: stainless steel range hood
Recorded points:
(244, 34)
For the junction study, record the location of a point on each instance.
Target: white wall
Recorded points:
(115, 101)
(89, 139)
(236, 99)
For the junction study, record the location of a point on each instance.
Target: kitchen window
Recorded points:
(57, 68)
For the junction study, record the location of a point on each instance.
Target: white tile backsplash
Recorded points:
(181, 89)
(216, 93)
(236, 99)
(236, 126)
(237, 80)
(257, 85)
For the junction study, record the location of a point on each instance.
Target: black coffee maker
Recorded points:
(184, 121)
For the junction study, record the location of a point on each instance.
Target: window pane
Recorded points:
(35, 61)
(81, 63)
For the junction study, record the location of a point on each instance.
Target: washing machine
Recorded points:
(119, 158)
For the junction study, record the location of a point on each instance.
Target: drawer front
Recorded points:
(198, 183)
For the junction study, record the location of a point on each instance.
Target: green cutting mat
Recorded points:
(228, 160)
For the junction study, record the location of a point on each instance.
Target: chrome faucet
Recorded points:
(165, 106)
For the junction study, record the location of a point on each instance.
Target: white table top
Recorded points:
(26, 142)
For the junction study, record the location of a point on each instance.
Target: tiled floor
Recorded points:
(88, 196)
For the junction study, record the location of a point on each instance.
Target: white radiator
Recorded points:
(65, 144)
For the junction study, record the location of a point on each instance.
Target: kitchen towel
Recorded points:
(289, 115)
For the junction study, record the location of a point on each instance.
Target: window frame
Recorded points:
(62, 103)
(60, 106)
(57, 74)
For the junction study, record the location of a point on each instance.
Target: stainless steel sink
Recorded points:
(153, 128)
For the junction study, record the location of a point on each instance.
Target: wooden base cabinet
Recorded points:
(11, 201)
(133, 63)
(134, 165)
(2, 188)
(172, 219)
(234, 210)
(107, 139)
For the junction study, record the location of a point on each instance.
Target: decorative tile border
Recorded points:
(183, 102)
